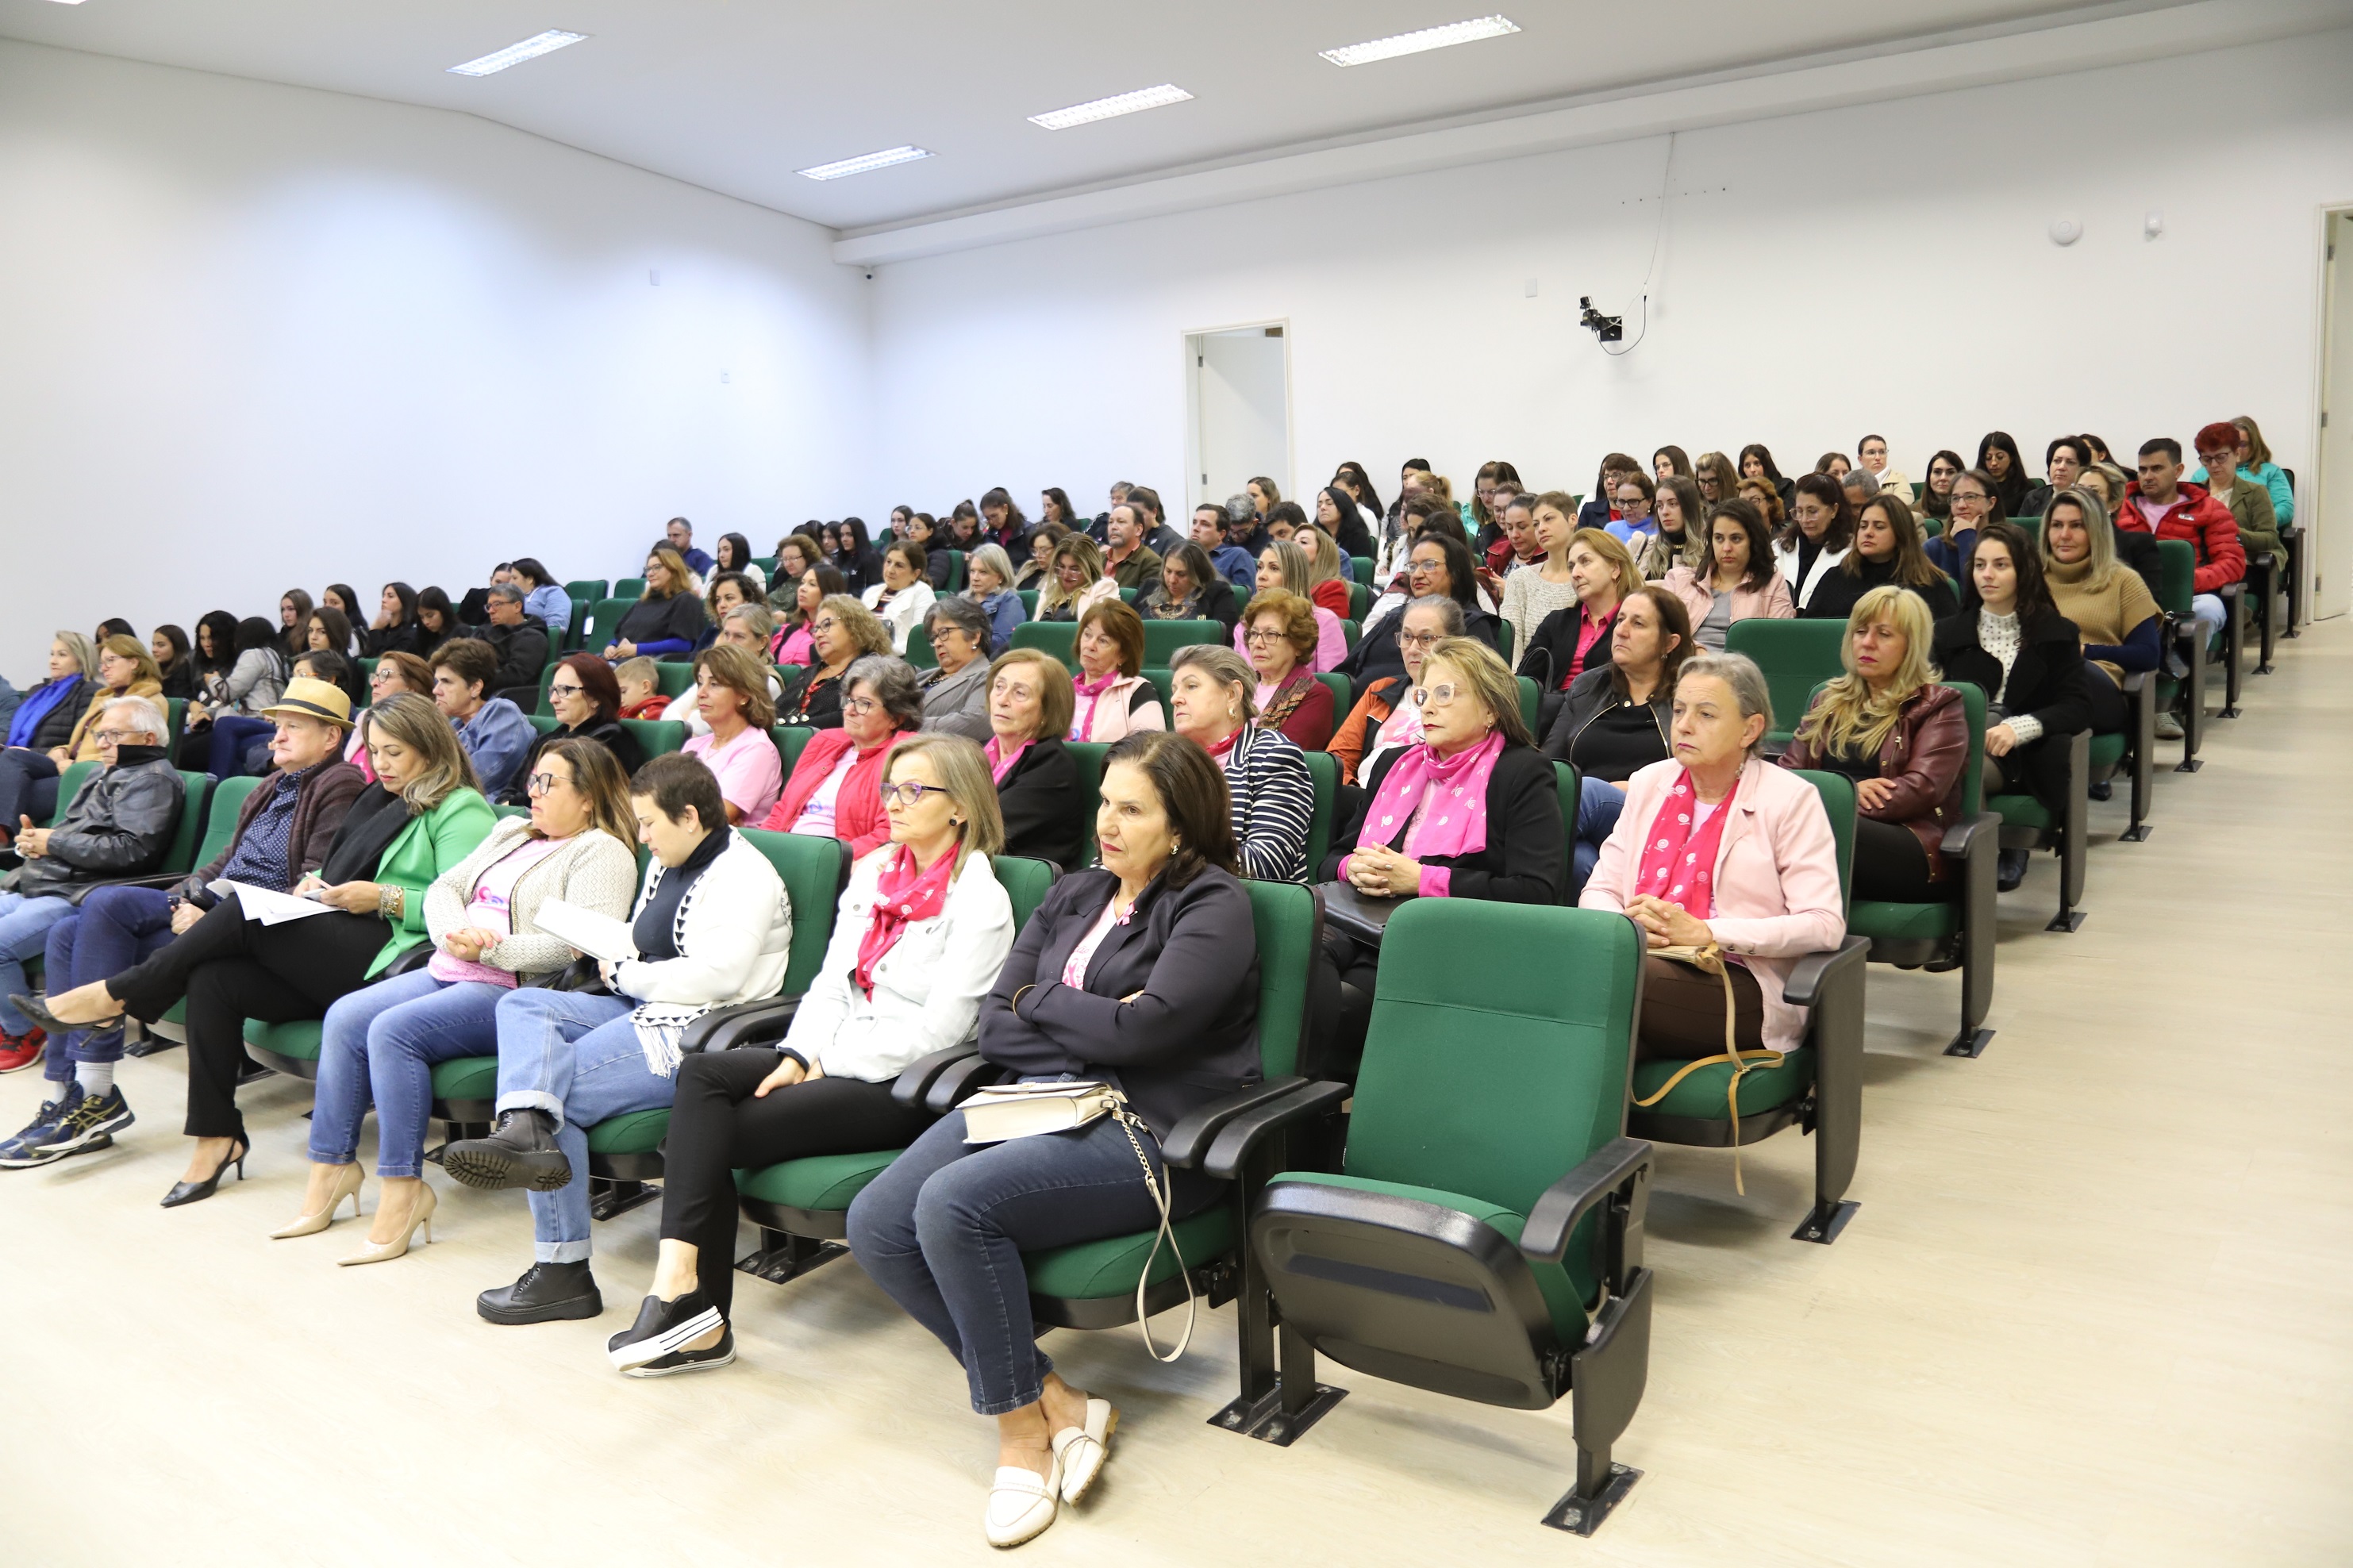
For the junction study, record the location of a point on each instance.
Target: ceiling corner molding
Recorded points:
(2072, 45)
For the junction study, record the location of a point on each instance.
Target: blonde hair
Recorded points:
(417, 724)
(1490, 679)
(680, 576)
(864, 626)
(1292, 560)
(2100, 566)
(965, 774)
(639, 668)
(1076, 547)
(1613, 551)
(1323, 566)
(78, 649)
(123, 646)
(1849, 717)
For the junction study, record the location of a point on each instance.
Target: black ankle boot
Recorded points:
(2010, 869)
(521, 1153)
(546, 1293)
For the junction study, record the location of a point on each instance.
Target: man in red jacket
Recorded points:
(2159, 502)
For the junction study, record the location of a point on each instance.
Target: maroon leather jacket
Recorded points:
(1923, 756)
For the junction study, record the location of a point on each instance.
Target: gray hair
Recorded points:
(506, 590)
(964, 613)
(1449, 612)
(1861, 480)
(992, 556)
(891, 680)
(1225, 666)
(146, 711)
(1738, 671)
(759, 618)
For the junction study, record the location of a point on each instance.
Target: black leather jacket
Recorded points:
(120, 825)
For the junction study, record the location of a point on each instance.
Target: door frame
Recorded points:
(1194, 487)
(2326, 548)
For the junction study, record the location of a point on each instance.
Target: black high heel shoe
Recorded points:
(197, 1192)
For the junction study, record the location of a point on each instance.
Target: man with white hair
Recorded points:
(118, 823)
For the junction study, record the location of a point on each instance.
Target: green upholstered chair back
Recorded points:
(1059, 639)
(1795, 656)
(603, 622)
(589, 588)
(1565, 786)
(545, 723)
(1028, 601)
(1025, 882)
(1362, 567)
(1973, 709)
(656, 737)
(629, 588)
(175, 714)
(1360, 599)
(815, 871)
(1351, 632)
(1323, 772)
(1284, 915)
(1163, 639)
(2177, 575)
(221, 817)
(790, 740)
(767, 565)
(672, 680)
(1531, 699)
(955, 571)
(919, 646)
(70, 785)
(511, 810)
(1491, 1079)
(1163, 681)
(1837, 791)
(544, 706)
(1343, 698)
(195, 794)
(1129, 596)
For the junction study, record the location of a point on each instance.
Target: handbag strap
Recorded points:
(1160, 1195)
(1740, 1060)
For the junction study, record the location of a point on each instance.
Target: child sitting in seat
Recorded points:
(642, 695)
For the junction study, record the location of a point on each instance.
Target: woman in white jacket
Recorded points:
(712, 928)
(904, 597)
(921, 932)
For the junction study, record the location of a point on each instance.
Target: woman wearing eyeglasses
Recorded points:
(1974, 501)
(586, 698)
(841, 631)
(379, 1045)
(1279, 639)
(922, 930)
(831, 793)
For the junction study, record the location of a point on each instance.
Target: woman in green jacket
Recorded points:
(424, 814)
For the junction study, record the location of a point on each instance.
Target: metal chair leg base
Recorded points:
(1583, 1515)
(2188, 765)
(1824, 1221)
(2137, 834)
(620, 1198)
(1265, 1419)
(2069, 921)
(796, 1256)
(2229, 710)
(1972, 1043)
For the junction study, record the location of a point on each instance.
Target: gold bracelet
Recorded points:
(391, 900)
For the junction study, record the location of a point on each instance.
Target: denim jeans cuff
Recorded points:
(346, 1156)
(532, 1100)
(408, 1174)
(562, 1252)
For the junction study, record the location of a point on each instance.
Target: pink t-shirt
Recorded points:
(818, 814)
(751, 774)
(1074, 973)
(491, 909)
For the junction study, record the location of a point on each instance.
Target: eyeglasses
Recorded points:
(1440, 696)
(859, 705)
(116, 737)
(1263, 633)
(823, 624)
(909, 793)
(1962, 494)
(1416, 568)
(560, 689)
(540, 783)
(1419, 639)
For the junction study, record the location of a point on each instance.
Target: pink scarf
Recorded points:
(1000, 761)
(903, 895)
(1456, 821)
(1090, 691)
(1678, 865)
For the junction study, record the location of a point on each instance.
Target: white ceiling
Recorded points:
(735, 95)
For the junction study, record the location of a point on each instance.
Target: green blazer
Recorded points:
(429, 846)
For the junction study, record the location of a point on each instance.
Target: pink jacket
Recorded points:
(1772, 601)
(1776, 887)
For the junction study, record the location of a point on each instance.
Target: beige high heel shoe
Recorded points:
(347, 1185)
(384, 1252)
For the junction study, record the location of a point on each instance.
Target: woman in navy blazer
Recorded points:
(1142, 975)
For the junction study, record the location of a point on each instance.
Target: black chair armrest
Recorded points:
(1190, 1137)
(915, 1082)
(745, 1023)
(959, 1079)
(410, 960)
(1812, 973)
(1229, 1153)
(1609, 1169)
(1962, 836)
(2232, 590)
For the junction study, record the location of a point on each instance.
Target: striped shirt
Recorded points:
(1274, 802)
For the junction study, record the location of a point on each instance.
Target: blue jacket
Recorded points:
(1006, 612)
(553, 605)
(497, 737)
(1237, 566)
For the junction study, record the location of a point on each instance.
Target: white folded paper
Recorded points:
(598, 936)
(270, 909)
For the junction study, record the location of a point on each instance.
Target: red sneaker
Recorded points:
(18, 1052)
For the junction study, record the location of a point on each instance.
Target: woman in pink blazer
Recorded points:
(1718, 845)
(1738, 583)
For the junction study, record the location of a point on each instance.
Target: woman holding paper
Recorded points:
(423, 814)
(1141, 974)
(922, 930)
(381, 1043)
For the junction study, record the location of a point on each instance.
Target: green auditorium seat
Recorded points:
(1028, 601)
(1361, 567)
(589, 588)
(919, 647)
(1794, 657)
(1483, 1236)
(674, 679)
(1360, 600)
(790, 738)
(218, 817)
(1163, 681)
(1531, 704)
(1817, 1087)
(1343, 698)
(629, 588)
(69, 783)
(179, 855)
(2027, 824)
(1059, 639)
(656, 737)
(1957, 931)
(1567, 787)
(1163, 639)
(1323, 772)
(604, 620)
(2177, 581)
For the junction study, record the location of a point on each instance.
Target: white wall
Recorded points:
(1881, 267)
(253, 337)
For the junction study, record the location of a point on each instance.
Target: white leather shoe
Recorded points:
(1083, 1449)
(1021, 1504)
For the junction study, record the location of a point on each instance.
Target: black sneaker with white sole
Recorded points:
(662, 1327)
(92, 1118)
(718, 1355)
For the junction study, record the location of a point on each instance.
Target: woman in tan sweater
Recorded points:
(2110, 604)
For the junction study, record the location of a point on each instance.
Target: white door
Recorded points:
(1241, 411)
(2331, 527)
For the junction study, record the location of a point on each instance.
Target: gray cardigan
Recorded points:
(958, 704)
(592, 871)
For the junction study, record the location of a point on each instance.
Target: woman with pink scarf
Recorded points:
(1113, 698)
(1469, 812)
(1717, 845)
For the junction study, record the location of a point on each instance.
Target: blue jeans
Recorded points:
(380, 1044)
(577, 1058)
(113, 930)
(944, 1229)
(1598, 805)
(24, 930)
(28, 787)
(232, 734)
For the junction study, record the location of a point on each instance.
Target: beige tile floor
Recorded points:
(2096, 1310)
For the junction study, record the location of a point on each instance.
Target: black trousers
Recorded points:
(231, 968)
(2111, 714)
(1890, 864)
(717, 1127)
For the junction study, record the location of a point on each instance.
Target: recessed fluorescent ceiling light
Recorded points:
(515, 54)
(1469, 32)
(865, 161)
(1105, 108)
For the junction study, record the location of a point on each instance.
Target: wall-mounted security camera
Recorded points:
(1605, 329)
